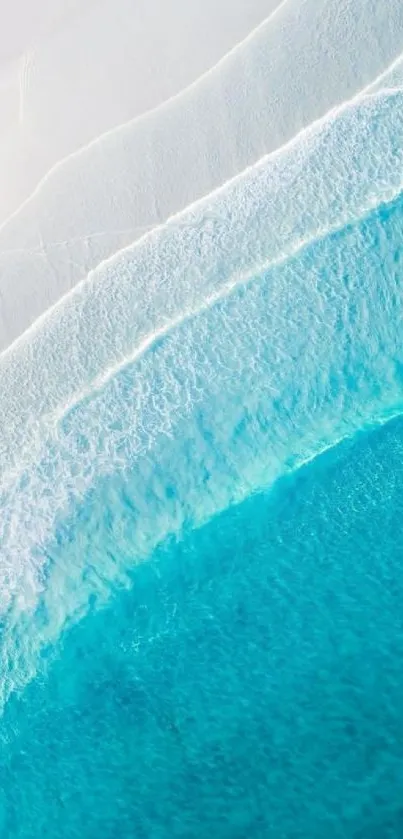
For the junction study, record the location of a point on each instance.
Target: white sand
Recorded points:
(76, 69)
(309, 56)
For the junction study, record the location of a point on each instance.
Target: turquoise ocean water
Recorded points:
(201, 560)
(249, 683)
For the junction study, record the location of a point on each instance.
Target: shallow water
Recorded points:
(248, 683)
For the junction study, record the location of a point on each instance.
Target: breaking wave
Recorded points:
(229, 346)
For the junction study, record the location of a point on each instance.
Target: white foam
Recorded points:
(390, 79)
(252, 377)
(265, 215)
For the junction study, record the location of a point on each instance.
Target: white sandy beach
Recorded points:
(94, 153)
(71, 71)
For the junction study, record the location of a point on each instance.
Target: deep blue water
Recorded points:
(248, 683)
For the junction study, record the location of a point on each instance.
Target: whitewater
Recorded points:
(255, 330)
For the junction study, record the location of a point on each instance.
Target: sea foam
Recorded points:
(223, 349)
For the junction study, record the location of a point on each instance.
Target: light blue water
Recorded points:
(248, 684)
(181, 653)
